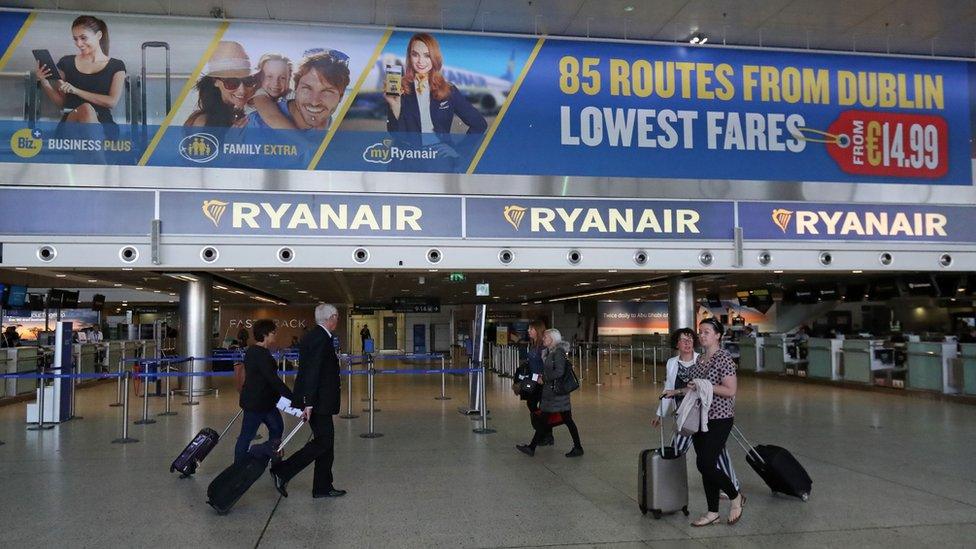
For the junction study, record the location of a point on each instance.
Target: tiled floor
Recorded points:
(888, 472)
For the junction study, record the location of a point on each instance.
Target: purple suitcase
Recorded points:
(198, 449)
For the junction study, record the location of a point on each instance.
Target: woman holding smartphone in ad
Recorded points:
(91, 83)
(427, 102)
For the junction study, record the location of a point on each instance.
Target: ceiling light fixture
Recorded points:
(20, 268)
(117, 285)
(60, 275)
(607, 292)
(698, 39)
(628, 8)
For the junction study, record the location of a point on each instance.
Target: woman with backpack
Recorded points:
(555, 408)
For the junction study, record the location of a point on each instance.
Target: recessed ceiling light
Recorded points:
(856, 272)
(155, 291)
(523, 270)
(116, 285)
(228, 268)
(126, 268)
(611, 270)
(778, 272)
(582, 283)
(171, 301)
(60, 275)
(496, 297)
(628, 8)
(303, 291)
(20, 268)
(92, 280)
(686, 271)
(172, 294)
(139, 288)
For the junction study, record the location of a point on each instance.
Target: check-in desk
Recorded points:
(824, 356)
(86, 357)
(115, 349)
(21, 360)
(967, 358)
(751, 354)
(930, 366)
(860, 360)
(774, 351)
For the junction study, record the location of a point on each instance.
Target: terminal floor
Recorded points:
(888, 471)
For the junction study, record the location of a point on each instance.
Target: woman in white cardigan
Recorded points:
(685, 340)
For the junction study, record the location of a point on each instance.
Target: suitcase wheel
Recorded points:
(685, 510)
(657, 514)
(805, 497)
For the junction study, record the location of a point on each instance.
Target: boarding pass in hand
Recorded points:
(285, 406)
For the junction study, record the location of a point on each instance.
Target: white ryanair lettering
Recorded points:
(295, 216)
(844, 223)
(614, 220)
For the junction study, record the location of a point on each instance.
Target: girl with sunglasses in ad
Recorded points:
(225, 89)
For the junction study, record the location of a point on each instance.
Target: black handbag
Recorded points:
(527, 388)
(567, 383)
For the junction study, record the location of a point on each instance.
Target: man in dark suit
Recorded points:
(317, 391)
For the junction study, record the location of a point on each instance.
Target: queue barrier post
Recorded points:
(443, 383)
(146, 420)
(118, 383)
(483, 404)
(125, 438)
(599, 351)
(40, 404)
(369, 389)
(349, 414)
(189, 383)
(169, 394)
(631, 362)
(74, 396)
(643, 359)
(654, 365)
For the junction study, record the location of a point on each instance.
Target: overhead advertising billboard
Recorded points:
(311, 97)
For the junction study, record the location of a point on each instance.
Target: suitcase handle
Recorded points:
(224, 432)
(740, 438)
(290, 435)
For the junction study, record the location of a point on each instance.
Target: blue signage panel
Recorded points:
(75, 212)
(548, 218)
(301, 214)
(896, 223)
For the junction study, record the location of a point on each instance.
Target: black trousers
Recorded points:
(708, 447)
(541, 434)
(321, 450)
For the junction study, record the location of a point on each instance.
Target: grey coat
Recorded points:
(553, 367)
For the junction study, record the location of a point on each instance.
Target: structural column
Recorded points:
(196, 323)
(681, 303)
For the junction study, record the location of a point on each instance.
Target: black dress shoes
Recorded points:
(525, 449)
(279, 484)
(331, 493)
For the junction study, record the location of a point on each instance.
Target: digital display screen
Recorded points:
(16, 296)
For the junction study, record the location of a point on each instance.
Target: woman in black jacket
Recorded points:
(554, 366)
(261, 391)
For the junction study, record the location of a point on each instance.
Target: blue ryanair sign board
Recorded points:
(544, 218)
(265, 214)
(94, 212)
(857, 222)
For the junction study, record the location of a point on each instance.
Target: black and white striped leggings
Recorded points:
(681, 443)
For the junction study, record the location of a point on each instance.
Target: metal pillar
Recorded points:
(681, 303)
(195, 326)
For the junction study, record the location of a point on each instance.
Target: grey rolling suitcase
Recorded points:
(662, 481)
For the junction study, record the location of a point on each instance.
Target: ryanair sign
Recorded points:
(812, 221)
(309, 214)
(605, 219)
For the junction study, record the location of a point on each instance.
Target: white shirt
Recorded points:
(426, 122)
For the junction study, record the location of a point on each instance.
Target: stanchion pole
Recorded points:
(483, 404)
(189, 383)
(643, 359)
(443, 383)
(118, 398)
(349, 414)
(599, 383)
(631, 361)
(369, 389)
(169, 394)
(125, 438)
(40, 404)
(146, 420)
(74, 396)
(654, 366)
(610, 370)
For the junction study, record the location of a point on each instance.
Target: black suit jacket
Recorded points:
(262, 386)
(317, 383)
(441, 114)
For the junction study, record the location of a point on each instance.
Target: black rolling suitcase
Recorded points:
(198, 449)
(228, 487)
(777, 467)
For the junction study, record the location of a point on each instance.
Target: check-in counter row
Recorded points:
(90, 357)
(928, 366)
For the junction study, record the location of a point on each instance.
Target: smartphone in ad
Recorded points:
(394, 79)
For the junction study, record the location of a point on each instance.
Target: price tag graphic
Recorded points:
(888, 144)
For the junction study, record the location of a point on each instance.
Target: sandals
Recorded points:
(705, 521)
(742, 503)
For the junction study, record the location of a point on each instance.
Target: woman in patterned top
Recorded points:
(678, 374)
(715, 365)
